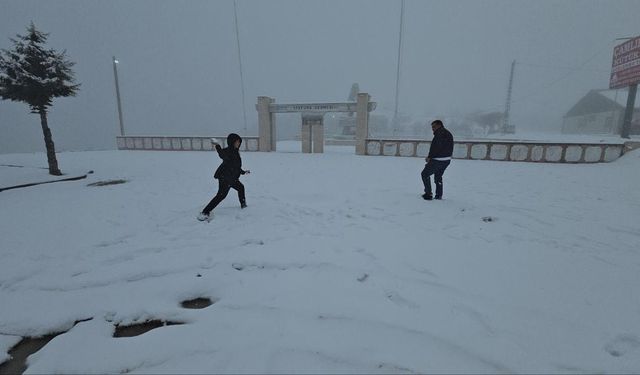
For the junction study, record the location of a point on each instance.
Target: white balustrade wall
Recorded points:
(157, 143)
(539, 152)
(531, 151)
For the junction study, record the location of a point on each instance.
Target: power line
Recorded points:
(578, 68)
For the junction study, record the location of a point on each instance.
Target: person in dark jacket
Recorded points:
(438, 159)
(228, 174)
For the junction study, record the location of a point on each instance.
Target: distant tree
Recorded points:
(34, 75)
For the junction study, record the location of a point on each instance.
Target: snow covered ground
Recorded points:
(337, 266)
(15, 175)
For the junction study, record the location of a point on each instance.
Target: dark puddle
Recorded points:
(19, 353)
(140, 328)
(198, 303)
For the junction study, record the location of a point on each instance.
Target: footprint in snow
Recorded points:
(622, 344)
(252, 242)
(401, 301)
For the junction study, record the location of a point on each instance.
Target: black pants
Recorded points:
(436, 168)
(223, 190)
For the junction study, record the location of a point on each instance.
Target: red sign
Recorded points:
(625, 70)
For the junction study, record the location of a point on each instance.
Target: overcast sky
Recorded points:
(179, 70)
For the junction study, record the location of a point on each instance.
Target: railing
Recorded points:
(527, 151)
(158, 143)
(524, 151)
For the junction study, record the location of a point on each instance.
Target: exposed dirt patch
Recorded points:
(22, 350)
(44, 182)
(108, 182)
(19, 353)
(138, 329)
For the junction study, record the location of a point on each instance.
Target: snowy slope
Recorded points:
(549, 285)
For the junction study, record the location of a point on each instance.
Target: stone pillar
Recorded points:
(266, 125)
(306, 135)
(312, 133)
(274, 135)
(362, 123)
(318, 135)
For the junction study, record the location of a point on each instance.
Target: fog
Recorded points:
(179, 71)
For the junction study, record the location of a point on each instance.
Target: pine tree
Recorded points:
(34, 75)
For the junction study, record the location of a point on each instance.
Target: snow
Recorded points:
(20, 64)
(549, 285)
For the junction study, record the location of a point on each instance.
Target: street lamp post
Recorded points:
(115, 76)
(244, 109)
(395, 110)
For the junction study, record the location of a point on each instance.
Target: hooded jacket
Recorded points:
(231, 167)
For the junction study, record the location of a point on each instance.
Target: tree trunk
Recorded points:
(48, 141)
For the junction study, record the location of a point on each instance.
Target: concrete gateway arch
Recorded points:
(312, 121)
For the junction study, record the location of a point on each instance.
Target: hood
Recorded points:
(231, 138)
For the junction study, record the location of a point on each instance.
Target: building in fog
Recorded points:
(600, 112)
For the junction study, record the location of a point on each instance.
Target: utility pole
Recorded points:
(506, 128)
(115, 76)
(395, 111)
(244, 109)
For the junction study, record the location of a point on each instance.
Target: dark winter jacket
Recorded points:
(231, 167)
(442, 144)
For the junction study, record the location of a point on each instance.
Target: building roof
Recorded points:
(619, 96)
(593, 102)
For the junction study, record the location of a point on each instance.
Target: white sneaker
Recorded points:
(204, 217)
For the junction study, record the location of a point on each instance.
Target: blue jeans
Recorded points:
(436, 168)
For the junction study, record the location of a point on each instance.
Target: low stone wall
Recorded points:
(542, 152)
(156, 143)
(631, 145)
(339, 142)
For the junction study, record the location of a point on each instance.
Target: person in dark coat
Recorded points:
(228, 174)
(438, 159)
